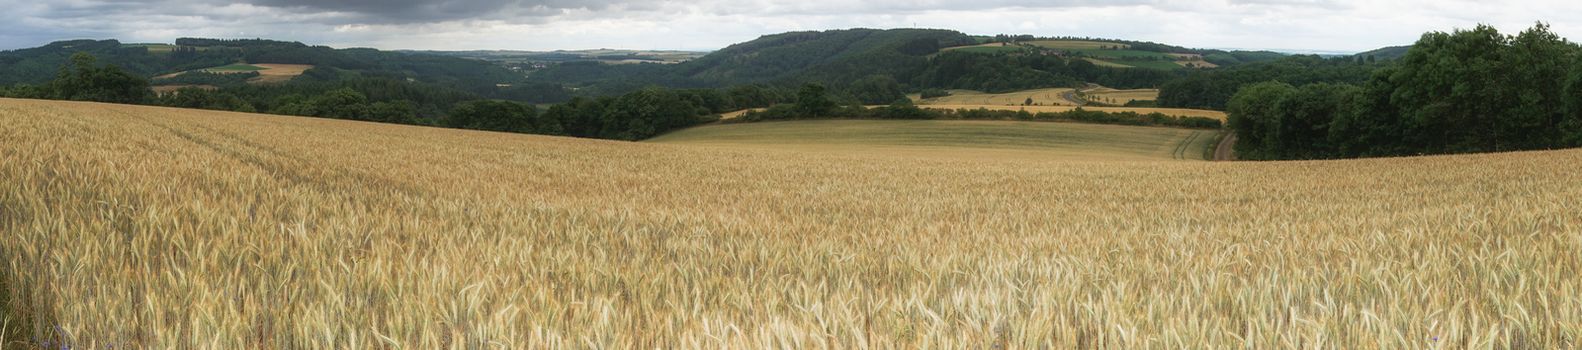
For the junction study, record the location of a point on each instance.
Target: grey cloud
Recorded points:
(428, 11)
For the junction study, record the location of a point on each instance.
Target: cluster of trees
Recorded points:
(814, 102)
(193, 97)
(1000, 73)
(1218, 57)
(634, 116)
(207, 78)
(84, 79)
(1212, 89)
(1467, 91)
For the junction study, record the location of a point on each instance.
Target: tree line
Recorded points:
(1212, 89)
(813, 101)
(1465, 91)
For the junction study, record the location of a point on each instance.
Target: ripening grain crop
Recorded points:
(142, 227)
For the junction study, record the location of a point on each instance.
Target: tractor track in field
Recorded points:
(1180, 152)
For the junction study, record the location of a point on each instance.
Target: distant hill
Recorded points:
(1387, 53)
(38, 65)
(826, 55)
(912, 59)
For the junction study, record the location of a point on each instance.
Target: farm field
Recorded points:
(165, 89)
(235, 68)
(268, 73)
(279, 73)
(1053, 96)
(1178, 112)
(956, 139)
(147, 227)
(1121, 97)
(1103, 63)
(986, 48)
(1077, 44)
(154, 48)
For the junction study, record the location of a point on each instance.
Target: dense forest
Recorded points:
(1217, 57)
(1212, 89)
(1466, 91)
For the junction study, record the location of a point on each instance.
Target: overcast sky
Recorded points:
(1321, 25)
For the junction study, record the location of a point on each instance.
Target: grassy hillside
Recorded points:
(969, 139)
(143, 227)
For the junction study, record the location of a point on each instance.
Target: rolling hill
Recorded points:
(38, 65)
(146, 227)
(919, 58)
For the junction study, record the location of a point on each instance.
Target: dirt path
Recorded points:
(1226, 151)
(1071, 96)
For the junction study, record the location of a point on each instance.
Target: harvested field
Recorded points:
(279, 73)
(268, 73)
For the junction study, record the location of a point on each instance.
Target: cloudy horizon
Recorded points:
(1285, 25)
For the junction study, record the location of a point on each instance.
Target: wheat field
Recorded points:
(1120, 97)
(956, 139)
(144, 227)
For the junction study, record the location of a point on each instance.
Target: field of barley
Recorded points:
(146, 227)
(949, 139)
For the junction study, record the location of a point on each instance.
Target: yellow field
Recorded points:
(733, 115)
(1053, 96)
(1121, 97)
(144, 227)
(279, 73)
(1179, 112)
(272, 73)
(952, 139)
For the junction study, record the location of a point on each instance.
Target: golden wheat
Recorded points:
(141, 227)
